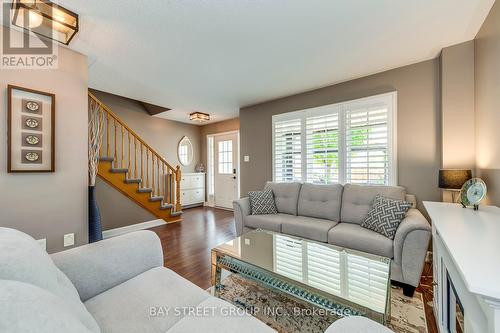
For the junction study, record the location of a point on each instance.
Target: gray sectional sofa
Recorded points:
(333, 214)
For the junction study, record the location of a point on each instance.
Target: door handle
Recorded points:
(234, 177)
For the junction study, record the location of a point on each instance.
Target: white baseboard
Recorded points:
(134, 227)
(224, 208)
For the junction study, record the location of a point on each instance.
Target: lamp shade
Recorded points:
(46, 19)
(453, 179)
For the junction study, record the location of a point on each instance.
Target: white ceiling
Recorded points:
(216, 56)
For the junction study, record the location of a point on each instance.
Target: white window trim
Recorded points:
(391, 101)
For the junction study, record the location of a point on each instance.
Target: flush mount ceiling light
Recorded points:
(199, 117)
(45, 19)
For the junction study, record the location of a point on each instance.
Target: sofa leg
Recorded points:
(408, 290)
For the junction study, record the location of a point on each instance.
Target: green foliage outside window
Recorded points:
(325, 146)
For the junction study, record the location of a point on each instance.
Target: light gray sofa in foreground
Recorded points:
(116, 285)
(333, 214)
(356, 325)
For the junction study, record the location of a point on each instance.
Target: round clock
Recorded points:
(32, 106)
(472, 192)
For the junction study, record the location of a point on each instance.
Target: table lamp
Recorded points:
(453, 179)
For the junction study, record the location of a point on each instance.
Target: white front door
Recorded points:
(226, 168)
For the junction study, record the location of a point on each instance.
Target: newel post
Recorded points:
(178, 177)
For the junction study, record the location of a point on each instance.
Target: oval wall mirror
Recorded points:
(185, 151)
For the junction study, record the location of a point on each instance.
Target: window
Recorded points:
(211, 170)
(367, 149)
(350, 142)
(322, 148)
(225, 157)
(287, 151)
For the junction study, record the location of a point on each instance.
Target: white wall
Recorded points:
(457, 106)
(457, 109)
(49, 205)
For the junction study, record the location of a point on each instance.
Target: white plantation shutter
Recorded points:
(322, 148)
(323, 268)
(360, 279)
(367, 145)
(350, 142)
(287, 150)
(289, 257)
(367, 282)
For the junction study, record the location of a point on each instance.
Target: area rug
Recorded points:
(287, 315)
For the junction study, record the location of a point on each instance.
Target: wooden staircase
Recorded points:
(135, 169)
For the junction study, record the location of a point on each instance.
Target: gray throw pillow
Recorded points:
(262, 202)
(385, 215)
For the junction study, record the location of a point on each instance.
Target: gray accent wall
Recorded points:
(116, 209)
(418, 125)
(49, 205)
(487, 101)
(162, 135)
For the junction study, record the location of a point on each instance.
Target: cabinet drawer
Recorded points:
(190, 181)
(198, 181)
(186, 182)
(197, 196)
(185, 197)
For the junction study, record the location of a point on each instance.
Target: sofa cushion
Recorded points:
(308, 227)
(271, 222)
(356, 324)
(22, 259)
(321, 201)
(353, 236)
(141, 303)
(222, 317)
(25, 307)
(262, 202)
(357, 200)
(385, 215)
(286, 196)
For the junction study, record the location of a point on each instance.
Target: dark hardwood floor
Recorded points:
(187, 245)
(186, 249)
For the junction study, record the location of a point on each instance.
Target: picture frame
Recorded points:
(30, 130)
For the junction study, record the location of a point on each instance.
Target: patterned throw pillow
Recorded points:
(262, 202)
(385, 215)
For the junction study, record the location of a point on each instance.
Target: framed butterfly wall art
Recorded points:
(31, 130)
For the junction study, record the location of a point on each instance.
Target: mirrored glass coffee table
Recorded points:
(340, 280)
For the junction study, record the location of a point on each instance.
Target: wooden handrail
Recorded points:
(115, 117)
(157, 161)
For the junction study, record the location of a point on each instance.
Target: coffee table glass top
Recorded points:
(357, 277)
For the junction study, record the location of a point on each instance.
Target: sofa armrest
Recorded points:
(410, 245)
(241, 209)
(97, 267)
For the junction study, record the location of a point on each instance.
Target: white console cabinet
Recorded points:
(192, 189)
(466, 265)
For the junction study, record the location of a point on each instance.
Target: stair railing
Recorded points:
(131, 152)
